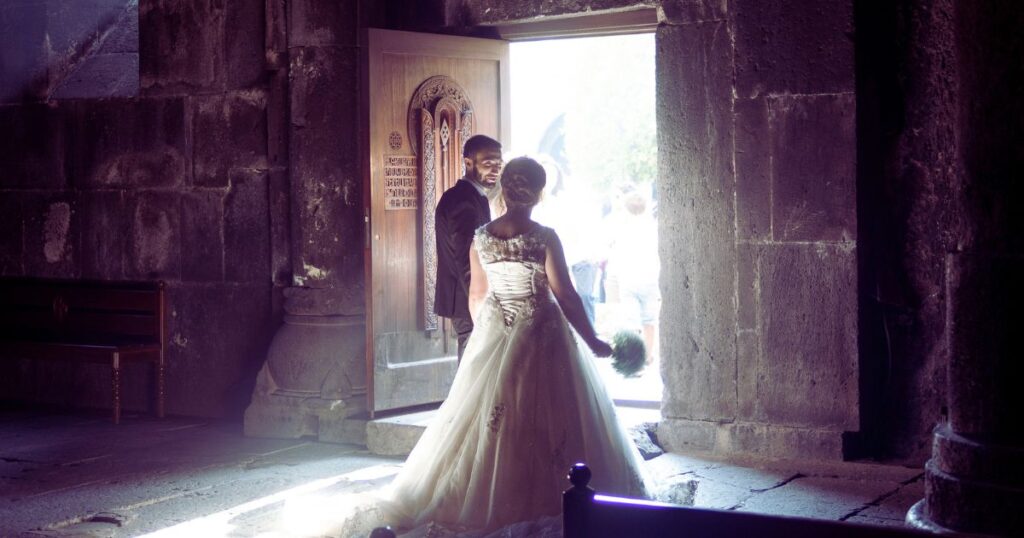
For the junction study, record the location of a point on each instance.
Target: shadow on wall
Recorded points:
(60, 49)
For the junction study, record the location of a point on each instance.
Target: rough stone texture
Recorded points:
(51, 234)
(106, 226)
(247, 228)
(155, 239)
(802, 497)
(230, 132)
(244, 48)
(23, 53)
(908, 190)
(315, 23)
(181, 45)
(690, 11)
(218, 335)
(813, 167)
(31, 147)
(12, 224)
(326, 183)
(106, 75)
(129, 143)
(794, 47)
(753, 170)
(468, 13)
(808, 376)
(202, 237)
(696, 224)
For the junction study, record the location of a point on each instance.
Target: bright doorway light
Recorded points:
(585, 109)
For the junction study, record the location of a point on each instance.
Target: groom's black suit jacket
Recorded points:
(459, 213)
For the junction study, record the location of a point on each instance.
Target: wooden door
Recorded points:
(425, 95)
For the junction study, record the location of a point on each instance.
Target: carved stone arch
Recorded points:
(440, 119)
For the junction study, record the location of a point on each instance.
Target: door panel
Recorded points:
(443, 88)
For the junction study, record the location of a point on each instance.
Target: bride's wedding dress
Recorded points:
(525, 405)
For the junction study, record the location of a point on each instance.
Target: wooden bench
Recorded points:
(586, 514)
(93, 321)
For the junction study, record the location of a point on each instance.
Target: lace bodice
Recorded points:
(516, 277)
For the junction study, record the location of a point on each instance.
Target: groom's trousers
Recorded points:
(463, 327)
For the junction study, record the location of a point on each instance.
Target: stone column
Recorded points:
(975, 477)
(314, 379)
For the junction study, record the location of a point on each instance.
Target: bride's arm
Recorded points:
(477, 283)
(569, 300)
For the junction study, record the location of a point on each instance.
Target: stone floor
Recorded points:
(75, 474)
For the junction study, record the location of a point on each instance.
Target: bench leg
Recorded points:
(116, 386)
(160, 386)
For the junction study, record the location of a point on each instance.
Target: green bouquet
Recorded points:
(629, 355)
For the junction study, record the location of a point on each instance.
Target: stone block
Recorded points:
(71, 27)
(803, 443)
(230, 131)
(814, 158)
(104, 75)
(693, 11)
(681, 435)
(753, 170)
(793, 47)
(217, 338)
(244, 43)
(247, 228)
(202, 217)
(697, 231)
(498, 11)
(748, 363)
(23, 51)
(124, 37)
(181, 45)
(51, 235)
(747, 290)
(154, 249)
(808, 375)
(129, 143)
(11, 227)
(31, 146)
(106, 227)
(314, 23)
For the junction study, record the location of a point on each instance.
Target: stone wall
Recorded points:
(758, 219)
(172, 184)
(54, 48)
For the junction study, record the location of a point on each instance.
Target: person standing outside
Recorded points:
(462, 209)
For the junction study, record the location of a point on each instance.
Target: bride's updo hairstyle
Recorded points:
(522, 182)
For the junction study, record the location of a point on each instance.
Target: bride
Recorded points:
(526, 402)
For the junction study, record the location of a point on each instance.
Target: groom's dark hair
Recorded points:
(477, 143)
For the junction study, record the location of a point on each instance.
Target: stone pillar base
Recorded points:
(286, 416)
(972, 486)
(313, 382)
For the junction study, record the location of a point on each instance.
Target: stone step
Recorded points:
(396, 435)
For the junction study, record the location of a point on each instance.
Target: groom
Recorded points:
(462, 209)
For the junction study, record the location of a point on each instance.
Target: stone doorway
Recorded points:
(584, 107)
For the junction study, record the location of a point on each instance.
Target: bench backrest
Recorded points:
(82, 309)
